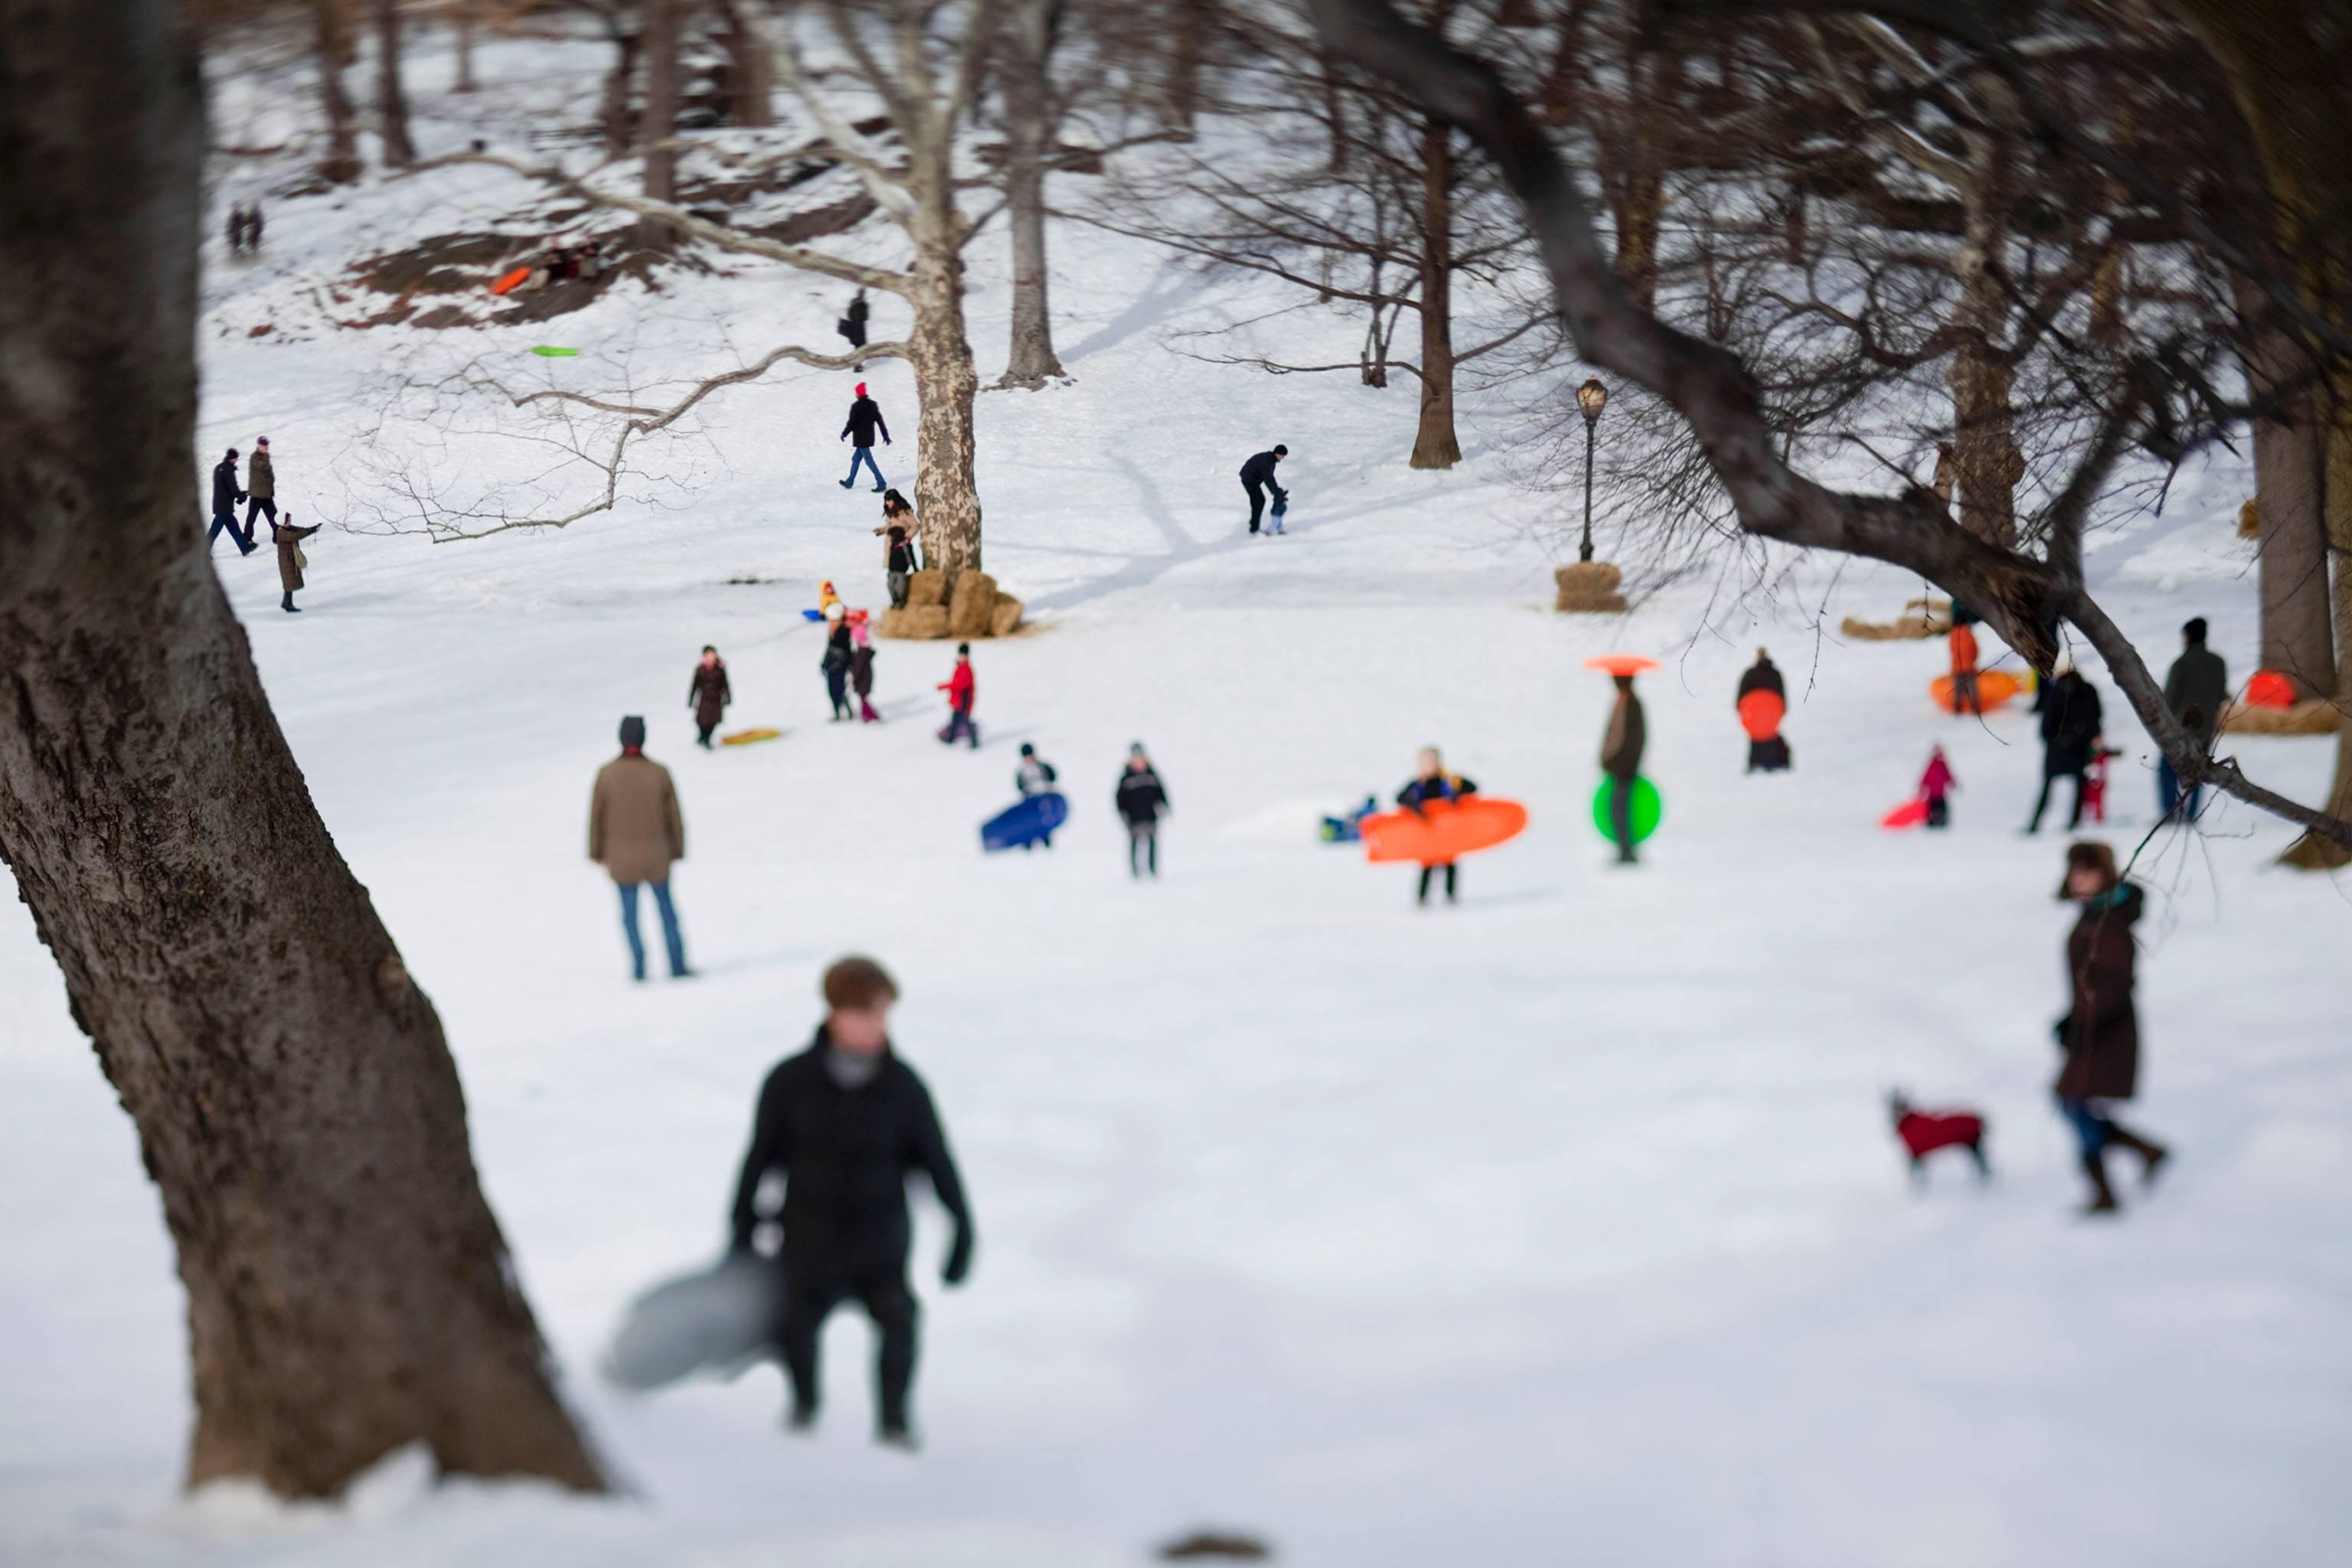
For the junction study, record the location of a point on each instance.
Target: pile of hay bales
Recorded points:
(975, 608)
(2317, 717)
(1921, 619)
(1589, 587)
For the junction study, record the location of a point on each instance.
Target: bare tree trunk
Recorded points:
(1190, 22)
(2292, 565)
(1028, 140)
(391, 105)
(751, 62)
(661, 115)
(614, 113)
(341, 163)
(349, 1292)
(1984, 446)
(465, 83)
(1335, 109)
(1640, 210)
(1434, 444)
(946, 500)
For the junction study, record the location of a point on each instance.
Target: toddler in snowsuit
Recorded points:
(960, 687)
(1935, 785)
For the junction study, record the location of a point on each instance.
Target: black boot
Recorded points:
(2102, 1196)
(287, 605)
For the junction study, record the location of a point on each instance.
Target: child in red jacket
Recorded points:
(960, 688)
(1935, 785)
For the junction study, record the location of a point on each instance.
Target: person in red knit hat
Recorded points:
(865, 422)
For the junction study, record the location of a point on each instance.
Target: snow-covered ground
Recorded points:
(1562, 1226)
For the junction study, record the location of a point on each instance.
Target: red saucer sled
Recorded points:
(1445, 831)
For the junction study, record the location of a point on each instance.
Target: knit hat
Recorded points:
(861, 389)
(633, 731)
(1027, 750)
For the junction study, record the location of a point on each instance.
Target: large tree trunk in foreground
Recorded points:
(2292, 565)
(349, 1292)
(947, 499)
(1434, 445)
(390, 103)
(1028, 138)
(341, 163)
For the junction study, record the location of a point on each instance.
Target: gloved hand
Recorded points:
(959, 1262)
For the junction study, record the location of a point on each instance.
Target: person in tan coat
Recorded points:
(635, 832)
(260, 487)
(290, 558)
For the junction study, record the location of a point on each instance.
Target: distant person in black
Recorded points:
(1764, 756)
(226, 495)
(844, 1123)
(1257, 477)
(1142, 800)
(865, 419)
(2072, 728)
(853, 325)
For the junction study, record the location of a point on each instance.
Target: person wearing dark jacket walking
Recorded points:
(1770, 755)
(1257, 479)
(226, 495)
(290, 560)
(853, 325)
(837, 661)
(1429, 782)
(963, 687)
(864, 421)
(898, 534)
(2070, 732)
(708, 694)
(844, 1123)
(861, 669)
(2100, 1033)
(260, 488)
(1620, 758)
(635, 833)
(2194, 689)
(1142, 800)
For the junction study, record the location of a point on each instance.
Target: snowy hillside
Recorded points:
(1563, 1227)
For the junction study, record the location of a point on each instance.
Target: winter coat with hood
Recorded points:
(634, 830)
(865, 419)
(960, 687)
(2101, 1034)
(1141, 798)
(289, 563)
(2071, 723)
(711, 693)
(845, 1150)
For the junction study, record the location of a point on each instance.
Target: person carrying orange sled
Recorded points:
(1430, 781)
(1964, 667)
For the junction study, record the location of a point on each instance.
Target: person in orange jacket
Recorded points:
(1964, 667)
(960, 688)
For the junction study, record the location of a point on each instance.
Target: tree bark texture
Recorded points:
(751, 66)
(1433, 444)
(390, 103)
(2297, 639)
(1640, 208)
(349, 1292)
(661, 115)
(614, 113)
(1984, 442)
(1030, 361)
(947, 496)
(341, 163)
(464, 22)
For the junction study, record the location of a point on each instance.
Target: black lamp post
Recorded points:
(1591, 398)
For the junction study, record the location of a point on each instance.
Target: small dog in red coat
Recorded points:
(1925, 1132)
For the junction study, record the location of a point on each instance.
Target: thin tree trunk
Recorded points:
(1335, 110)
(1030, 361)
(1434, 444)
(349, 1292)
(661, 115)
(1190, 22)
(1640, 210)
(751, 66)
(341, 163)
(391, 105)
(465, 83)
(1984, 445)
(619, 121)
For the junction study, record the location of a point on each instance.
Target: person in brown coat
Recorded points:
(260, 487)
(1621, 759)
(635, 832)
(290, 558)
(2100, 1034)
(709, 696)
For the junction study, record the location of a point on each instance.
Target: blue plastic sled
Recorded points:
(812, 614)
(1026, 823)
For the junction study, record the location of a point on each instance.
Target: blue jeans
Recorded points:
(2167, 791)
(228, 521)
(670, 938)
(863, 455)
(2090, 1127)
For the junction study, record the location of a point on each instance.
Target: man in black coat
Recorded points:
(2070, 730)
(1257, 477)
(226, 495)
(845, 1122)
(1142, 798)
(865, 419)
(2196, 689)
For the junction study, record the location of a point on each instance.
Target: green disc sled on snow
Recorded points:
(1647, 809)
(548, 351)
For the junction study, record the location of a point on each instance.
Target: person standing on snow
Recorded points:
(261, 488)
(2100, 1033)
(853, 325)
(2195, 689)
(845, 1122)
(1963, 644)
(289, 559)
(1035, 775)
(1430, 781)
(1620, 758)
(1935, 785)
(961, 688)
(709, 694)
(861, 669)
(226, 495)
(2071, 733)
(898, 532)
(1257, 477)
(1142, 800)
(635, 833)
(865, 420)
(836, 662)
(1772, 755)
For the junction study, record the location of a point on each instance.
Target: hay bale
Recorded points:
(926, 624)
(926, 589)
(973, 607)
(1589, 587)
(2250, 518)
(2316, 716)
(1005, 617)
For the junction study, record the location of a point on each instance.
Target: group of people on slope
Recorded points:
(260, 491)
(848, 664)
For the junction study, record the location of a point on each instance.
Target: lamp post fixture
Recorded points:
(1591, 398)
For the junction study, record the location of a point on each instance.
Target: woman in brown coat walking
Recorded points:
(290, 558)
(709, 696)
(2100, 1034)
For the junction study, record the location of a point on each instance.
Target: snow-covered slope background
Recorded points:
(1564, 1226)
